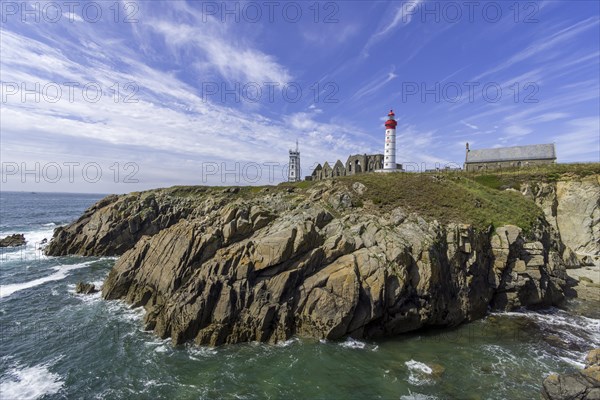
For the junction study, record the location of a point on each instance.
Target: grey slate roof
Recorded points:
(516, 153)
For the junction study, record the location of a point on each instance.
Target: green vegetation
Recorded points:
(480, 199)
(186, 191)
(447, 198)
(515, 177)
(300, 185)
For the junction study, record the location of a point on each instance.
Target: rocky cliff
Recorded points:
(115, 224)
(572, 207)
(327, 260)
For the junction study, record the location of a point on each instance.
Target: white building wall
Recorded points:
(389, 153)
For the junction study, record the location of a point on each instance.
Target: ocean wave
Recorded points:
(351, 343)
(417, 396)
(30, 383)
(61, 273)
(91, 297)
(419, 373)
(123, 311)
(197, 353)
(574, 329)
(32, 249)
(288, 342)
(556, 317)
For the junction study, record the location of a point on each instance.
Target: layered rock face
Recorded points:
(573, 208)
(114, 224)
(279, 265)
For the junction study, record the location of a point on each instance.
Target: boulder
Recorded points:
(359, 188)
(579, 385)
(85, 288)
(15, 240)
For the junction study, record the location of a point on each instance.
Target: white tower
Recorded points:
(294, 168)
(389, 154)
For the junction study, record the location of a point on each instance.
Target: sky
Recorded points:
(120, 96)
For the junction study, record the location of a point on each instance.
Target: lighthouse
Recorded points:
(294, 167)
(389, 156)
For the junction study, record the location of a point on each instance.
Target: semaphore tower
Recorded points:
(294, 167)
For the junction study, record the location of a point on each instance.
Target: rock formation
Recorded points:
(85, 288)
(218, 266)
(572, 207)
(15, 240)
(114, 224)
(579, 385)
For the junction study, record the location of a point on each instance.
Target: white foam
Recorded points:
(30, 383)
(31, 251)
(417, 396)
(419, 372)
(88, 298)
(201, 351)
(123, 311)
(353, 344)
(161, 349)
(288, 342)
(61, 273)
(418, 366)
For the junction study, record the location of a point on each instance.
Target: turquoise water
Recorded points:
(55, 344)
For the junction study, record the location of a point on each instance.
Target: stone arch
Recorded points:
(357, 167)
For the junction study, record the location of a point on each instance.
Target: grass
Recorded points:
(447, 199)
(515, 177)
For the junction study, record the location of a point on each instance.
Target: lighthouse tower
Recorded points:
(294, 168)
(389, 156)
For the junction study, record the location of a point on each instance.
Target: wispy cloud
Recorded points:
(402, 16)
(475, 127)
(579, 141)
(543, 45)
(169, 122)
(233, 62)
(374, 85)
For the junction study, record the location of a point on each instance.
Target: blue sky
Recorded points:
(172, 88)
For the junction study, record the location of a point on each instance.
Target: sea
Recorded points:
(56, 344)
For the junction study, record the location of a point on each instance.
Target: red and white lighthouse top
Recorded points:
(391, 122)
